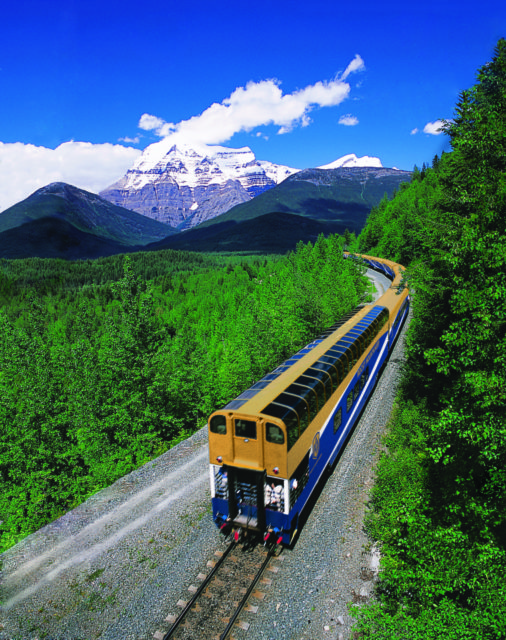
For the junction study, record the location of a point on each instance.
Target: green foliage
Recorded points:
(105, 369)
(439, 506)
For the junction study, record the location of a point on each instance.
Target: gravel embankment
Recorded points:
(115, 567)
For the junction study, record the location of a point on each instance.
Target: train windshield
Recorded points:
(246, 429)
(274, 434)
(218, 424)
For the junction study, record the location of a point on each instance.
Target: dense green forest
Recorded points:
(106, 364)
(439, 503)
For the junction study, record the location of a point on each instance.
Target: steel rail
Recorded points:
(192, 601)
(270, 555)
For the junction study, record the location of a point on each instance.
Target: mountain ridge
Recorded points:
(85, 217)
(343, 196)
(183, 186)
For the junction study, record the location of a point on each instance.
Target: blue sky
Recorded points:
(77, 79)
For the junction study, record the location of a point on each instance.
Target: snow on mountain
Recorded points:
(351, 160)
(183, 186)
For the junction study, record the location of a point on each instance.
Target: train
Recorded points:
(270, 446)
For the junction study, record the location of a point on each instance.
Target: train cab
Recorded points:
(248, 469)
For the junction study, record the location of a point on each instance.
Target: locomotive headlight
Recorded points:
(219, 459)
(276, 470)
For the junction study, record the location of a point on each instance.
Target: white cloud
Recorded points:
(128, 140)
(414, 131)
(151, 123)
(348, 120)
(24, 168)
(433, 128)
(257, 104)
(357, 64)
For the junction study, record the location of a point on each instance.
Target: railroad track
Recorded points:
(223, 594)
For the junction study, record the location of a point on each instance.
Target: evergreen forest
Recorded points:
(438, 507)
(106, 364)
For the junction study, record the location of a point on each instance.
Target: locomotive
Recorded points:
(269, 447)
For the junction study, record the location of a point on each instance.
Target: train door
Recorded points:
(248, 443)
(246, 489)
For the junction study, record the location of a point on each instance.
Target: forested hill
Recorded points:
(439, 504)
(102, 370)
(340, 198)
(62, 221)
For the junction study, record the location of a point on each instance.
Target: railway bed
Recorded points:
(228, 590)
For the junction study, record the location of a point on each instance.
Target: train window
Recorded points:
(355, 334)
(349, 401)
(330, 365)
(342, 365)
(359, 344)
(292, 429)
(218, 424)
(344, 358)
(363, 340)
(302, 406)
(353, 350)
(338, 419)
(316, 386)
(309, 395)
(274, 434)
(289, 417)
(356, 390)
(293, 400)
(362, 332)
(363, 337)
(320, 371)
(364, 378)
(312, 381)
(383, 318)
(355, 347)
(339, 365)
(261, 384)
(246, 429)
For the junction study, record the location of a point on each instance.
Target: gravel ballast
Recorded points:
(116, 566)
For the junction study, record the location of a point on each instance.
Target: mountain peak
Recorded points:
(183, 185)
(54, 188)
(351, 160)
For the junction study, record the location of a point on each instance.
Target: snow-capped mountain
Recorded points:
(351, 160)
(183, 186)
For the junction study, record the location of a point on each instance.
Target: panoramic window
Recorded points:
(356, 336)
(293, 400)
(340, 351)
(324, 388)
(332, 368)
(306, 396)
